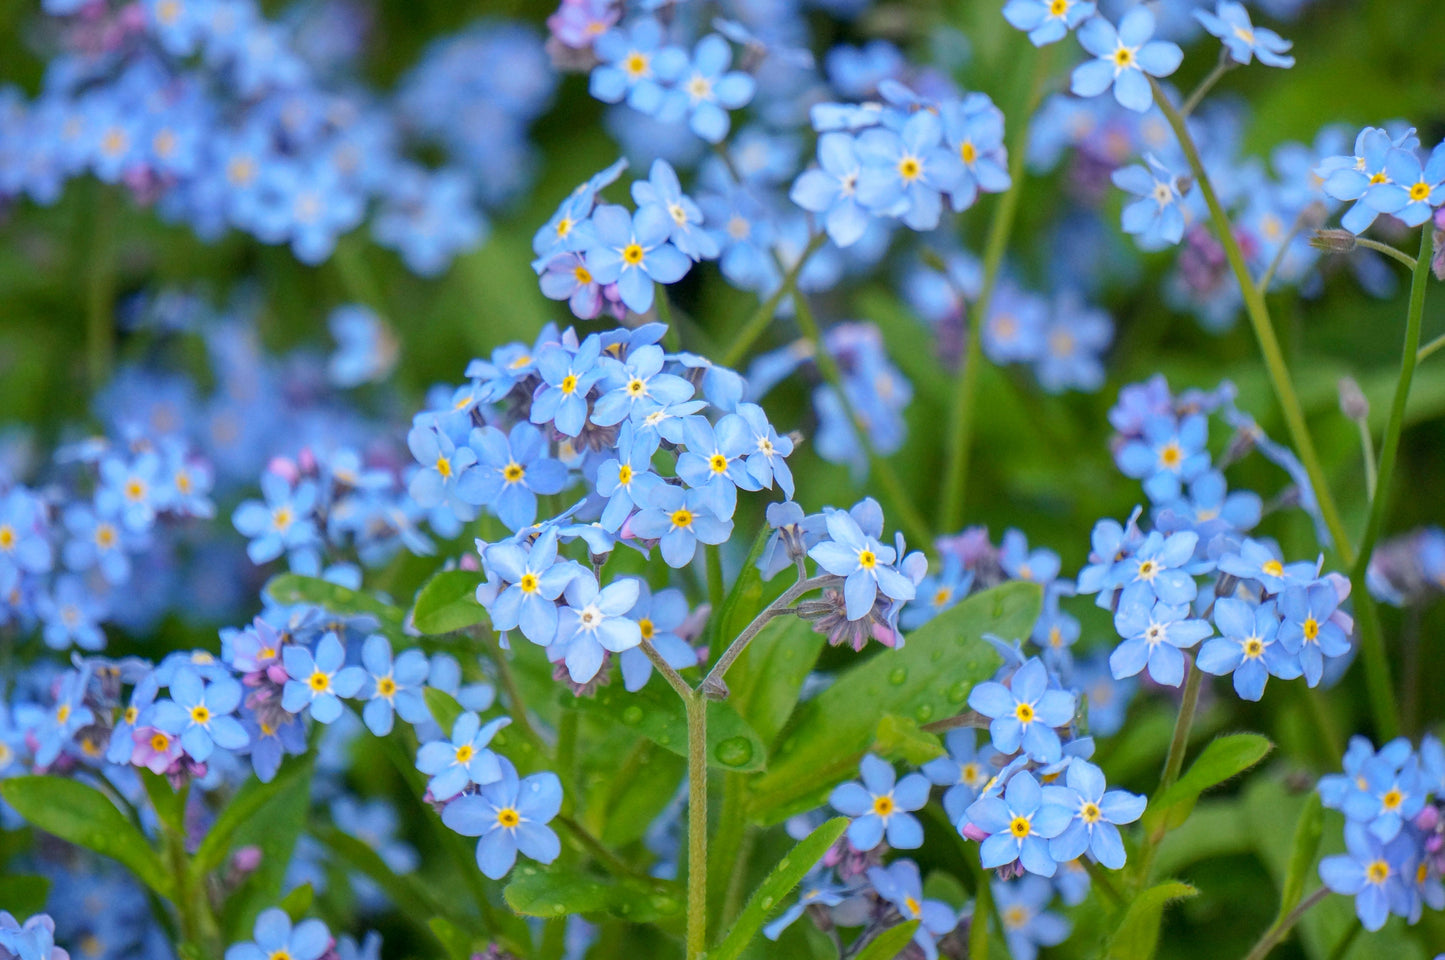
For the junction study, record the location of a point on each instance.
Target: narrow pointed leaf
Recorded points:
(1138, 933)
(1307, 833)
(448, 602)
(890, 943)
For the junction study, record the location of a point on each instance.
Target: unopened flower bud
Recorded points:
(1333, 241)
(1353, 403)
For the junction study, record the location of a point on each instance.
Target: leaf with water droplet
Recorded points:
(898, 738)
(786, 875)
(828, 734)
(766, 680)
(734, 751)
(557, 890)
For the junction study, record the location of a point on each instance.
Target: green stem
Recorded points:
(715, 592)
(1397, 255)
(712, 685)
(516, 706)
(100, 289)
(1264, 332)
(908, 517)
(670, 339)
(1179, 744)
(696, 826)
(1409, 356)
(599, 852)
(754, 326)
(961, 408)
(1430, 348)
(1225, 64)
(1283, 926)
(1367, 447)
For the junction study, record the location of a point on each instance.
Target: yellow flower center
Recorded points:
(1273, 567)
(1090, 812)
(624, 474)
(583, 275)
(135, 490)
(867, 559)
(1311, 629)
(943, 595)
(967, 151)
(444, 467)
(513, 472)
(62, 713)
(679, 215)
(465, 753)
(636, 64)
(386, 686)
(646, 628)
(281, 518)
(564, 226)
(632, 253)
(1420, 191)
(319, 681)
(1016, 917)
(1020, 827)
(7, 536)
(718, 463)
(699, 87)
(168, 10)
(1024, 712)
(131, 715)
(1253, 647)
(160, 743)
(970, 774)
(1123, 57)
(1147, 569)
(909, 168)
(508, 817)
(682, 517)
(1057, 8)
(1171, 456)
(569, 384)
(1380, 177)
(200, 714)
(883, 806)
(1377, 872)
(1392, 799)
(913, 906)
(282, 954)
(636, 387)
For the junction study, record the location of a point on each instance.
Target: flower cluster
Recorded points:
(1385, 174)
(222, 119)
(1394, 806)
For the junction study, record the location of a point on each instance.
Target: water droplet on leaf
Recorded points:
(735, 751)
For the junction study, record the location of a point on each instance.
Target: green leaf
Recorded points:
(785, 875)
(900, 738)
(277, 815)
(443, 706)
(630, 803)
(929, 679)
(448, 602)
(657, 712)
(247, 803)
(86, 817)
(1307, 833)
(766, 680)
(294, 588)
(297, 902)
(1138, 933)
(23, 894)
(890, 942)
(408, 893)
(1224, 758)
(557, 891)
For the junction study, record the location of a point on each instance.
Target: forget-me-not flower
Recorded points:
(391, 685)
(510, 816)
(633, 250)
(1154, 634)
(319, 681)
(863, 561)
(1124, 59)
(535, 580)
(882, 805)
(1231, 24)
(200, 713)
(1025, 712)
(462, 760)
(595, 620)
(1096, 813)
(511, 469)
(1019, 825)
(1248, 647)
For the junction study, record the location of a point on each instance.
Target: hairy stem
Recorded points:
(1280, 928)
(712, 686)
(1393, 253)
(696, 826)
(1179, 743)
(965, 389)
(1264, 332)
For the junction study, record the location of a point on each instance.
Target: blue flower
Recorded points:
(465, 759)
(1230, 22)
(391, 685)
(282, 523)
(679, 520)
(1168, 455)
(1159, 567)
(319, 681)
(269, 745)
(1375, 873)
(766, 461)
(662, 190)
(511, 470)
(818, 887)
(863, 561)
(72, 613)
(964, 771)
(1254, 560)
(567, 376)
(1210, 509)
(625, 479)
(594, 620)
(98, 540)
(973, 127)
(1027, 925)
(1040, 565)
(938, 591)
(901, 885)
(658, 617)
(565, 277)
(637, 386)
(275, 938)
(707, 90)
(443, 464)
(1413, 190)
(906, 171)
(632, 63)
(831, 189)
(1154, 634)
(509, 815)
(200, 714)
(632, 251)
(1096, 814)
(1047, 21)
(1157, 217)
(881, 805)
(1385, 794)
(1025, 713)
(712, 462)
(1247, 647)
(130, 489)
(1309, 630)
(1124, 57)
(535, 580)
(1019, 825)
(567, 229)
(1349, 177)
(136, 714)
(35, 940)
